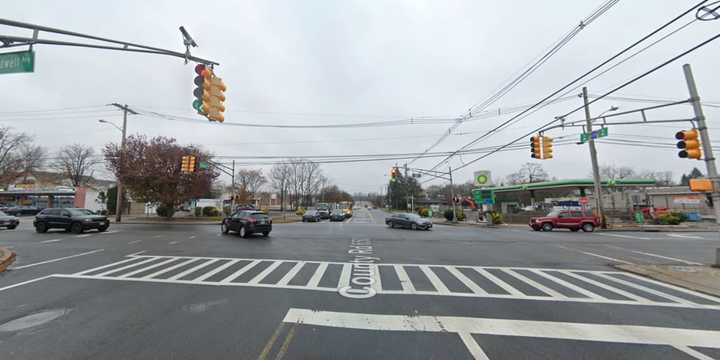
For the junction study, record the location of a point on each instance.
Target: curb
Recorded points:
(7, 257)
(167, 223)
(667, 278)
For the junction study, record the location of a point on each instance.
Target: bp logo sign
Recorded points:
(482, 178)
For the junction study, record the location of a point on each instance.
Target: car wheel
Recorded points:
(413, 226)
(547, 227)
(266, 233)
(76, 228)
(242, 232)
(224, 228)
(102, 229)
(588, 227)
(41, 227)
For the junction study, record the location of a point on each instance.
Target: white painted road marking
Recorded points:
(595, 255)
(657, 256)
(582, 282)
(685, 236)
(134, 242)
(24, 283)
(626, 334)
(624, 236)
(50, 241)
(56, 260)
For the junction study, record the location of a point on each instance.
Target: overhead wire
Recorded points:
(576, 80)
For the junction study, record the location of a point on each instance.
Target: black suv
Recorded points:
(75, 220)
(246, 223)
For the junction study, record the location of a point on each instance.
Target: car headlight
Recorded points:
(87, 220)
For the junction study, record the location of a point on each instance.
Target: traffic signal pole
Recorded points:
(597, 185)
(704, 140)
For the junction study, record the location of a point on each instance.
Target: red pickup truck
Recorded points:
(566, 219)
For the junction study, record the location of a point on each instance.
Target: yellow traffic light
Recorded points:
(191, 163)
(216, 98)
(689, 143)
(185, 164)
(547, 143)
(535, 148)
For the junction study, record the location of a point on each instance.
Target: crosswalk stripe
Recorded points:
(434, 280)
(407, 286)
(193, 269)
(147, 268)
(466, 281)
(534, 283)
(568, 285)
(242, 270)
(606, 287)
(505, 286)
(377, 283)
(265, 272)
(315, 279)
(217, 270)
(553, 284)
(345, 276)
(107, 266)
(162, 271)
(149, 259)
(291, 274)
(645, 289)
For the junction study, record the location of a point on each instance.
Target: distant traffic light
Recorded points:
(547, 149)
(535, 148)
(689, 143)
(394, 173)
(202, 89)
(187, 164)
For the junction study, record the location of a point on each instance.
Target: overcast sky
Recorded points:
(315, 62)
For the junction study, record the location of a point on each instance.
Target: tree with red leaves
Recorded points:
(150, 171)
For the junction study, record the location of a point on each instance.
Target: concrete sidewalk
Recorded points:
(616, 227)
(154, 220)
(705, 279)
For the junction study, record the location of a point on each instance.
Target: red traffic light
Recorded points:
(199, 68)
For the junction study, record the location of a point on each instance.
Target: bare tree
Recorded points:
(249, 182)
(528, 173)
(280, 180)
(10, 159)
(612, 172)
(662, 178)
(305, 180)
(32, 158)
(76, 162)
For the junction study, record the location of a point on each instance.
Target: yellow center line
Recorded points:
(266, 350)
(283, 349)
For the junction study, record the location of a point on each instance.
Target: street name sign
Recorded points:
(602, 132)
(17, 62)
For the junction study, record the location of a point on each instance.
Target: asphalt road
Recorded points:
(351, 290)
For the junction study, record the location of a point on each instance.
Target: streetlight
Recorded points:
(118, 198)
(612, 108)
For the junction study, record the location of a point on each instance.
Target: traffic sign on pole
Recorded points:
(17, 62)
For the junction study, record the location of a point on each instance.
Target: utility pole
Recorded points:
(597, 188)
(452, 194)
(118, 199)
(232, 192)
(705, 140)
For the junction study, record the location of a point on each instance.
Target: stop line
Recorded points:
(543, 284)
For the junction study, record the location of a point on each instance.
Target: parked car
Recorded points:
(324, 213)
(246, 223)
(408, 221)
(22, 210)
(8, 221)
(565, 219)
(71, 219)
(337, 216)
(311, 216)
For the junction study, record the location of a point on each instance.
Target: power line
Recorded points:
(602, 96)
(558, 45)
(612, 58)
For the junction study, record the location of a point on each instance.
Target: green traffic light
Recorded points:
(197, 105)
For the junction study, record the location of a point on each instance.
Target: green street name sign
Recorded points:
(17, 62)
(602, 132)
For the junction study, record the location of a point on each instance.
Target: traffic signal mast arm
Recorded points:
(433, 173)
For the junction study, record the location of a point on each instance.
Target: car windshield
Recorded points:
(80, 212)
(413, 216)
(2, 213)
(553, 213)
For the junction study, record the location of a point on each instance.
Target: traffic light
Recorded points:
(547, 143)
(187, 164)
(689, 143)
(213, 96)
(394, 172)
(202, 89)
(535, 148)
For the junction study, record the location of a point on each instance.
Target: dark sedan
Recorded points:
(70, 219)
(337, 216)
(408, 221)
(8, 221)
(22, 210)
(311, 216)
(246, 223)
